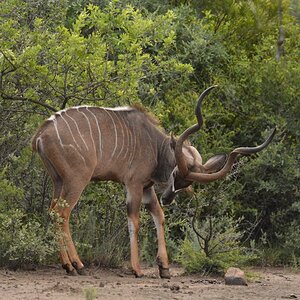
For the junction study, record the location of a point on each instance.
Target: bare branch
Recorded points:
(14, 98)
(6, 57)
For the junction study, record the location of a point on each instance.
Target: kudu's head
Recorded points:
(189, 167)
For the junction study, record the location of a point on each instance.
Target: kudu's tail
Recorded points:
(34, 143)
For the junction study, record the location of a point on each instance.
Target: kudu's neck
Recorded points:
(166, 159)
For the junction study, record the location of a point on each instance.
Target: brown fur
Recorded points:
(147, 113)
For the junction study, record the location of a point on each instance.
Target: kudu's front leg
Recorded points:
(134, 199)
(152, 204)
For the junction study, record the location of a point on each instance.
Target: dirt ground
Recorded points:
(51, 283)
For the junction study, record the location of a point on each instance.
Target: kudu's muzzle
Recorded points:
(175, 184)
(167, 197)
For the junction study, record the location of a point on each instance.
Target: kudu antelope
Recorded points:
(85, 143)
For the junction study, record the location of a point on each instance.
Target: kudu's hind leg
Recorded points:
(152, 204)
(57, 189)
(68, 254)
(56, 180)
(134, 199)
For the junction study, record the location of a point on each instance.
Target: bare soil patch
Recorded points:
(51, 283)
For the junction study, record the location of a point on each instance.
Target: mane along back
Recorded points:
(147, 113)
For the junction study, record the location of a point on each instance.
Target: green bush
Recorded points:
(99, 225)
(214, 237)
(24, 241)
(271, 191)
(213, 254)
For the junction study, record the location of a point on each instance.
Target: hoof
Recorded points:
(138, 274)
(80, 271)
(70, 272)
(164, 273)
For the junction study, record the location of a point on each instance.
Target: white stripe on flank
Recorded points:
(77, 127)
(120, 119)
(116, 135)
(60, 113)
(150, 144)
(128, 136)
(63, 145)
(99, 131)
(73, 147)
(134, 148)
(57, 133)
(89, 124)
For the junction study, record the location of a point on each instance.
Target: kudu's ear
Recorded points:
(172, 141)
(215, 163)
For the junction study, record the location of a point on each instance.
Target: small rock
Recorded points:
(12, 278)
(213, 281)
(235, 276)
(291, 296)
(175, 287)
(165, 285)
(101, 284)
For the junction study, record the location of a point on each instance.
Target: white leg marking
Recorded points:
(99, 132)
(116, 135)
(77, 127)
(157, 224)
(89, 124)
(131, 229)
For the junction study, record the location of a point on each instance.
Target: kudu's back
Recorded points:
(98, 143)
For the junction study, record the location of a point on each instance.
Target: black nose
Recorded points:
(167, 199)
